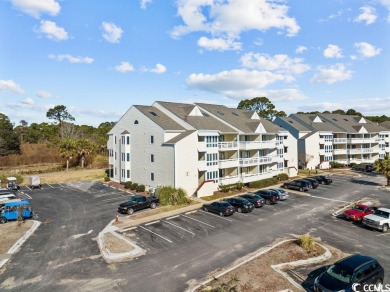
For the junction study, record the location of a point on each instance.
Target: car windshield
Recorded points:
(245, 202)
(339, 274)
(381, 213)
(257, 197)
(225, 205)
(133, 199)
(358, 208)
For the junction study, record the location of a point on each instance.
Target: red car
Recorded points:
(358, 212)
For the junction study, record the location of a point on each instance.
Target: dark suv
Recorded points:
(270, 197)
(314, 183)
(240, 204)
(350, 274)
(322, 179)
(256, 200)
(299, 185)
(363, 167)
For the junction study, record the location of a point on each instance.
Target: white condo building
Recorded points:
(197, 147)
(345, 139)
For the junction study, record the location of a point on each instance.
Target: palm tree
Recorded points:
(84, 148)
(383, 166)
(67, 149)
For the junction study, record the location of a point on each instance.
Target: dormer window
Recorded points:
(136, 122)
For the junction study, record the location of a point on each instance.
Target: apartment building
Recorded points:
(345, 139)
(197, 147)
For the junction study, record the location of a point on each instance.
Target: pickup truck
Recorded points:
(138, 202)
(358, 212)
(379, 220)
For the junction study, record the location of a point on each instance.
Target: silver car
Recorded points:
(283, 194)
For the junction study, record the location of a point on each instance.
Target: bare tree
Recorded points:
(69, 131)
(304, 159)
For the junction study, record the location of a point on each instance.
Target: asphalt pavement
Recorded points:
(63, 255)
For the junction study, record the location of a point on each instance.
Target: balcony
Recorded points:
(340, 140)
(222, 146)
(227, 180)
(202, 165)
(277, 158)
(250, 145)
(249, 177)
(340, 151)
(360, 150)
(228, 163)
(356, 140)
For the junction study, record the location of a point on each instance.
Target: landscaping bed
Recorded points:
(10, 233)
(116, 245)
(258, 275)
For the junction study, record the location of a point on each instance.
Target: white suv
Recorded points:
(379, 220)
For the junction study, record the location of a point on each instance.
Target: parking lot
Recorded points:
(181, 249)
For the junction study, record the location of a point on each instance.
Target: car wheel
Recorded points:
(301, 189)
(359, 219)
(205, 209)
(221, 214)
(379, 282)
(153, 205)
(130, 211)
(385, 228)
(3, 220)
(239, 210)
(268, 202)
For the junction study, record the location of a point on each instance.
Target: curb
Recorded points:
(115, 257)
(20, 242)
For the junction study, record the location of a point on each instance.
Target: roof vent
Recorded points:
(236, 114)
(153, 114)
(221, 113)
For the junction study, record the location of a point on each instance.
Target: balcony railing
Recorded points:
(340, 140)
(227, 145)
(227, 180)
(249, 145)
(227, 163)
(202, 165)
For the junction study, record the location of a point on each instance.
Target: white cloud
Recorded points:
(332, 74)
(112, 33)
(124, 67)
(300, 49)
(321, 107)
(367, 50)
(10, 85)
(145, 3)
(37, 7)
(159, 69)
(228, 19)
(235, 82)
(333, 51)
(52, 31)
(71, 59)
(218, 44)
(28, 101)
(280, 63)
(44, 94)
(386, 4)
(367, 15)
(289, 94)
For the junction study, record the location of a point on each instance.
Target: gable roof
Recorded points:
(295, 124)
(179, 137)
(385, 124)
(159, 117)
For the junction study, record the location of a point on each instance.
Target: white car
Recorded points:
(379, 220)
(283, 194)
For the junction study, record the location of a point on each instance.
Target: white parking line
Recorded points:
(220, 217)
(62, 185)
(154, 222)
(198, 221)
(50, 186)
(330, 199)
(241, 214)
(169, 218)
(156, 234)
(28, 188)
(173, 224)
(383, 234)
(110, 199)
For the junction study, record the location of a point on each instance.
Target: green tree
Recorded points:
(383, 166)
(84, 148)
(21, 129)
(352, 112)
(68, 150)
(339, 111)
(263, 106)
(59, 113)
(9, 139)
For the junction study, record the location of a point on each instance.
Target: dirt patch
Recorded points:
(258, 275)
(116, 245)
(69, 176)
(10, 233)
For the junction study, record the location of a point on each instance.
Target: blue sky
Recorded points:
(100, 57)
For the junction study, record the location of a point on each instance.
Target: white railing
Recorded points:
(202, 165)
(226, 163)
(340, 140)
(227, 180)
(228, 145)
(247, 145)
(340, 151)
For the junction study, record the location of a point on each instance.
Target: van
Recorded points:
(15, 209)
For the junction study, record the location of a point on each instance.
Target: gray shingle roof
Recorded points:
(385, 125)
(179, 137)
(159, 117)
(350, 124)
(295, 124)
(205, 122)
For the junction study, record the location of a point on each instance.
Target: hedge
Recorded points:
(282, 176)
(140, 188)
(231, 187)
(263, 183)
(128, 185)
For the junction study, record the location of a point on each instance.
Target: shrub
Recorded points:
(282, 176)
(352, 164)
(140, 188)
(307, 242)
(239, 185)
(263, 183)
(106, 178)
(128, 185)
(171, 196)
(336, 164)
(224, 188)
(134, 186)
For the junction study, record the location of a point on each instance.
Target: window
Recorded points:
(128, 140)
(128, 156)
(285, 149)
(151, 139)
(115, 170)
(212, 175)
(136, 122)
(123, 156)
(152, 176)
(115, 139)
(128, 173)
(115, 155)
(151, 157)
(211, 141)
(123, 140)
(154, 114)
(212, 159)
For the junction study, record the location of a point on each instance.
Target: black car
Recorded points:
(138, 202)
(256, 200)
(240, 204)
(314, 183)
(322, 179)
(363, 167)
(222, 208)
(270, 197)
(300, 185)
(350, 274)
